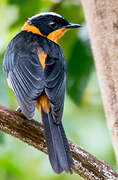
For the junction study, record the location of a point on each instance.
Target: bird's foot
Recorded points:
(18, 109)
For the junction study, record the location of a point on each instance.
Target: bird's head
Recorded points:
(50, 25)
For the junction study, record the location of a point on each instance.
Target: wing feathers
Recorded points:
(28, 79)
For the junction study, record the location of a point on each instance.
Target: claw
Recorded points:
(18, 109)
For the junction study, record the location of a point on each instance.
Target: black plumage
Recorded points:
(28, 81)
(36, 71)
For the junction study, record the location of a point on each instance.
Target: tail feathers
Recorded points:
(58, 149)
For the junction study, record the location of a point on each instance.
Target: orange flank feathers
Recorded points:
(42, 56)
(43, 102)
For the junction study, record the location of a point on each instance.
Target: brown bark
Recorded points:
(31, 132)
(102, 20)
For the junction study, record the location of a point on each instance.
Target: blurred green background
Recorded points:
(83, 118)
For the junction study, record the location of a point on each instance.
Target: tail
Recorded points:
(58, 148)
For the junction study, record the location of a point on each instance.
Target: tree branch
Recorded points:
(31, 132)
(102, 21)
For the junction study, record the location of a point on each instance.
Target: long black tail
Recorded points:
(58, 149)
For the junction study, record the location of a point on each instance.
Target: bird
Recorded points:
(36, 69)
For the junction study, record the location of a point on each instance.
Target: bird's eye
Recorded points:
(52, 24)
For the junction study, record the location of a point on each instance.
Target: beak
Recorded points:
(72, 25)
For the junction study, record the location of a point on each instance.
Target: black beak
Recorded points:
(72, 25)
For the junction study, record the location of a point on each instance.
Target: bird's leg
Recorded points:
(18, 109)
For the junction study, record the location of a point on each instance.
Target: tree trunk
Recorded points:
(102, 20)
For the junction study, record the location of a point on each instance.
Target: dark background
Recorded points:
(83, 117)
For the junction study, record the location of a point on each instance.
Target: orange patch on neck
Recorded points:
(53, 36)
(31, 28)
(56, 35)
